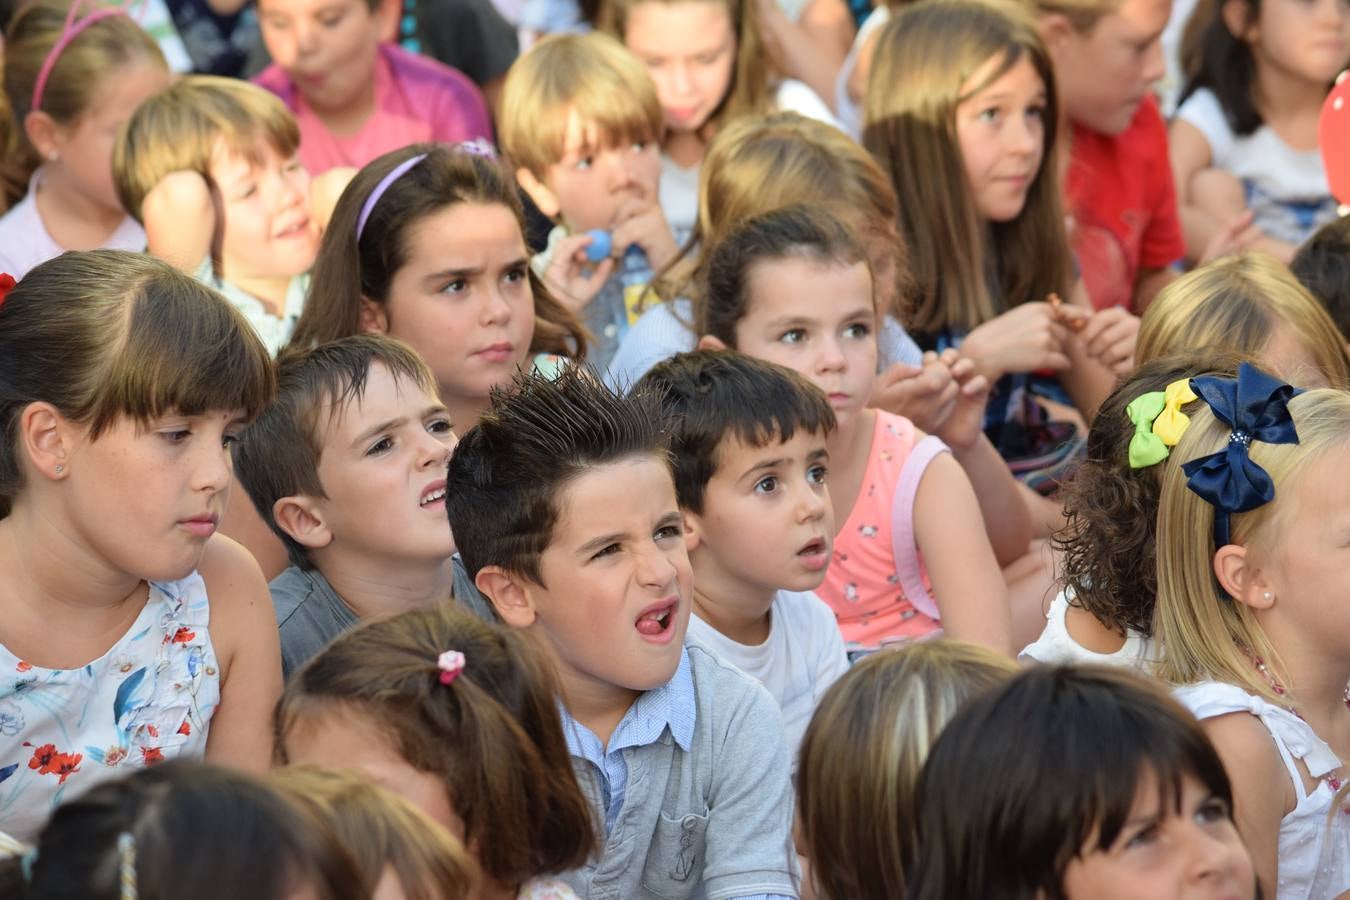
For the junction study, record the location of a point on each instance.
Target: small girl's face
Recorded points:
(1310, 38)
(818, 319)
(326, 47)
(463, 299)
(689, 48)
(1166, 853)
(269, 232)
(1001, 130)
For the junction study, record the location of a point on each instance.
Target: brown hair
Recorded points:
(493, 735)
(182, 127)
(861, 755)
(923, 58)
(278, 455)
(380, 830)
(1083, 15)
(104, 334)
(348, 269)
(590, 75)
(85, 66)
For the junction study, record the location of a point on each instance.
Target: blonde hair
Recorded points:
(1083, 15)
(1204, 633)
(380, 829)
(923, 59)
(85, 66)
(762, 164)
(861, 756)
(752, 76)
(590, 75)
(181, 129)
(1235, 304)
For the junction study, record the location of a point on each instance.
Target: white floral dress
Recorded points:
(148, 699)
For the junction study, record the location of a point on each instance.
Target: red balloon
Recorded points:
(1333, 136)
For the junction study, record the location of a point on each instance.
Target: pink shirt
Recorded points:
(416, 99)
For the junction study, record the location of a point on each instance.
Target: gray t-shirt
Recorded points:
(310, 614)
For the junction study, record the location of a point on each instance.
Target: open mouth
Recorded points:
(815, 555)
(433, 494)
(657, 622)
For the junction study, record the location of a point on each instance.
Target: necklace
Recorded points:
(1332, 781)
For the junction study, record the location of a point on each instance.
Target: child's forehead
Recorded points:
(590, 132)
(384, 397)
(243, 154)
(611, 496)
(753, 446)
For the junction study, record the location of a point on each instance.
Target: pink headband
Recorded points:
(69, 32)
(475, 147)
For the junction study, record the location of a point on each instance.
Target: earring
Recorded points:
(1267, 596)
(53, 156)
(60, 468)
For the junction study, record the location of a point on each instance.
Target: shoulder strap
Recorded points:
(907, 564)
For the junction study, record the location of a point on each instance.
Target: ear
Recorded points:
(302, 519)
(1056, 30)
(545, 199)
(386, 15)
(510, 595)
(1243, 581)
(708, 342)
(374, 316)
(1239, 21)
(48, 439)
(693, 531)
(44, 134)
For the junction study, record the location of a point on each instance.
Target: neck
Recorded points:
(464, 411)
(740, 611)
(74, 218)
(1317, 679)
(271, 291)
(349, 119)
(596, 704)
(1280, 92)
(685, 148)
(386, 587)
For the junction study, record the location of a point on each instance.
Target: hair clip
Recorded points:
(7, 283)
(1172, 423)
(394, 174)
(478, 147)
(69, 32)
(1256, 406)
(451, 663)
(1159, 423)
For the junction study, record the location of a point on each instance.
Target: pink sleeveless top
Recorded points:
(875, 583)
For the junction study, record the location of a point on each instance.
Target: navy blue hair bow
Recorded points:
(1256, 406)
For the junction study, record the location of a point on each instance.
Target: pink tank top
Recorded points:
(866, 583)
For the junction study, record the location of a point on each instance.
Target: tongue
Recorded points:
(650, 625)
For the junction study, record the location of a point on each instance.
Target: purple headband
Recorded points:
(69, 32)
(476, 147)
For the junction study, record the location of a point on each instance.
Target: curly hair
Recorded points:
(1106, 545)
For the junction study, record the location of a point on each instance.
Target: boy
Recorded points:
(1322, 265)
(580, 117)
(564, 503)
(750, 466)
(347, 466)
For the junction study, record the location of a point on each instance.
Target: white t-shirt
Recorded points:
(850, 114)
(1286, 189)
(25, 242)
(802, 657)
(1056, 646)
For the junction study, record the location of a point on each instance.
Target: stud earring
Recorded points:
(60, 468)
(1267, 596)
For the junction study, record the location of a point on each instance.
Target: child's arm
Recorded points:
(644, 223)
(813, 49)
(926, 395)
(244, 631)
(180, 215)
(574, 280)
(967, 582)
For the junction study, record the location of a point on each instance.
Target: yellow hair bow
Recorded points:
(1172, 423)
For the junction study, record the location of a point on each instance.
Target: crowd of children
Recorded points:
(730, 449)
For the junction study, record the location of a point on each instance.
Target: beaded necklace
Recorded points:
(1332, 781)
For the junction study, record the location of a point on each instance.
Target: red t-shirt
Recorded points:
(1123, 205)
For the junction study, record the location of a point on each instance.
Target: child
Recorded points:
(862, 754)
(132, 838)
(897, 494)
(397, 847)
(354, 96)
(580, 119)
(748, 440)
(1252, 305)
(1245, 134)
(209, 167)
(461, 719)
(114, 471)
(563, 503)
(1322, 265)
(347, 467)
(427, 245)
(71, 83)
(961, 112)
(1114, 792)
(710, 67)
(1249, 617)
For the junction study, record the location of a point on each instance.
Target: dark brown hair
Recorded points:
(1322, 265)
(103, 334)
(494, 735)
(278, 455)
(348, 269)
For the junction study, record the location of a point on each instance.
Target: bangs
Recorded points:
(1012, 55)
(184, 350)
(776, 415)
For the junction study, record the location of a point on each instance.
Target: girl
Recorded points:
(1250, 577)
(1252, 305)
(461, 718)
(114, 472)
(71, 80)
(710, 67)
(134, 838)
(1113, 792)
(895, 493)
(400, 851)
(427, 245)
(1245, 134)
(961, 112)
(862, 754)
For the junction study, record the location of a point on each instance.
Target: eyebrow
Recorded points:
(599, 543)
(467, 271)
(394, 423)
(764, 465)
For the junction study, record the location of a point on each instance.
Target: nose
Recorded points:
(621, 169)
(1155, 65)
(306, 38)
(1024, 136)
(433, 451)
(681, 79)
(831, 358)
(655, 568)
(495, 311)
(811, 503)
(214, 469)
(1210, 856)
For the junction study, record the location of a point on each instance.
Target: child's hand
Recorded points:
(1109, 337)
(573, 279)
(925, 395)
(643, 223)
(181, 213)
(965, 425)
(1026, 338)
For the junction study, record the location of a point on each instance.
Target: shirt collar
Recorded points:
(670, 706)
